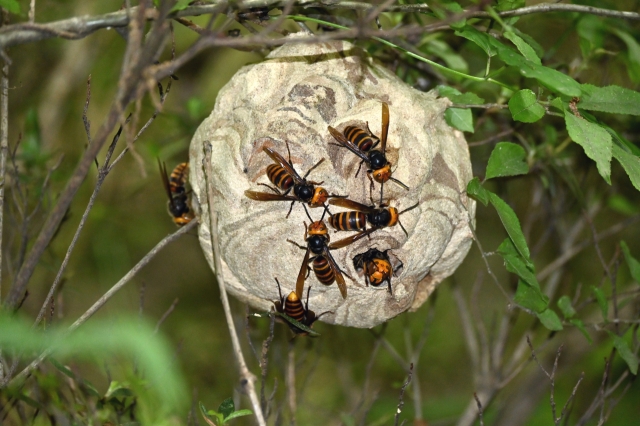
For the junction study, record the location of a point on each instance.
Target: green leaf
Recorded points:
(612, 99)
(554, 80)
(633, 52)
(481, 39)
(165, 389)
(525, 107)
(524, 48)
(454, 95)
(477, 192)
(564, 303)
(180, 5)
(530, 297)
(297, 324)
(12, 6)
(211, 417)
(580, 326)
(88, 387)
(443, 51)
(509, 4)
(239, 413)
(512, 225)
(630, 163)
(591, 30)
(530, 41)
(459, 118)
(595, 141)
(634, 265)
(621, 204)
(558, 104)
(602, 301)
(507, 159)
(625, 352)
(516, 264)
(226, 407)
(550, 320)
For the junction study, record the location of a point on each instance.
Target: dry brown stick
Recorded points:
(401, 399)
(79, 27)
(248, 379)
(166, 314)
(291, 382)
(129, 90)
(4, 147)
(264, 364)
(573, 251)
(105, 297)
(480, 410)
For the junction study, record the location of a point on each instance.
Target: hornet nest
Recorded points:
(293, 96)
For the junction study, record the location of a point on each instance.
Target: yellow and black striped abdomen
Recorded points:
(348, 221)
(360, 137)
(323, 270)
(293, 307)
(279, 177)
(178, 178)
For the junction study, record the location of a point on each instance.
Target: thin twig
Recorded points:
(166, 315)
(480, 411)
(573, 251)
(102, 174)
(108, 295)
(264, 363)
(80, 27)
(291, 382)
(4, 148)
(570, 399)
(552, 379)
(129, 89)
(401, 399)
(247, 378)
(32, 11)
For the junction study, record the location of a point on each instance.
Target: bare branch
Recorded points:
(166, 315)
(264, 363)
(480, 410)
(401, 399)
(105, 298)
(291, 382)
(130, 89)
(80, 27)
(4, 147)
(247, 378)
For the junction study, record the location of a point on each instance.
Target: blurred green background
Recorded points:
(47, 95)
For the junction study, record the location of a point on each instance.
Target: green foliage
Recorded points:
(595, 140)
(97, 339)
(632, 262)
(509, 4)
(460, 118)
(525, 107)
(554, 80)
(507, 159)
(625, 352)
(226, 412)
(602, 301)
(12, 6)
(550, 319)
(612, 99)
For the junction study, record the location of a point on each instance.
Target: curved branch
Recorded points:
(79, 27)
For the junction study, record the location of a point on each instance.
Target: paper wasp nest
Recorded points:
(293, 95)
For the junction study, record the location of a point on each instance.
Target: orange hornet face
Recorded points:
(317, 228)
(320, 196)
(382, 175)
(382, 272)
